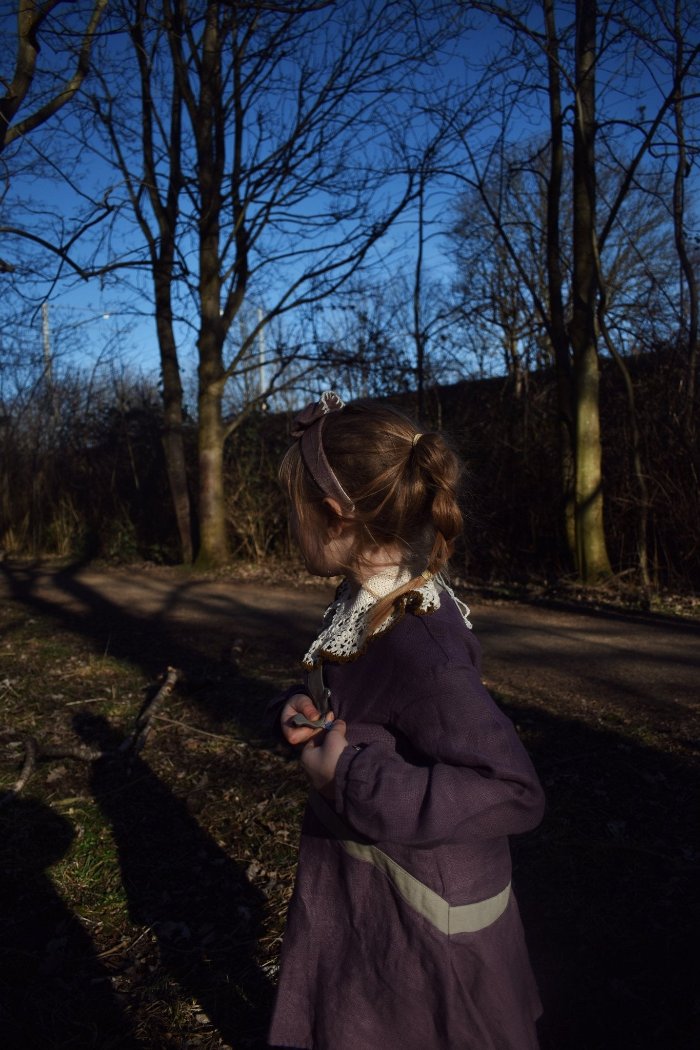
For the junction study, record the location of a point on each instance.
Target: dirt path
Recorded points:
(529, 650)
(592, 655)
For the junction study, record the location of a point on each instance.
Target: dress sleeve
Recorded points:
(471, 778)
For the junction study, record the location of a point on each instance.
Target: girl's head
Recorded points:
(363, 481)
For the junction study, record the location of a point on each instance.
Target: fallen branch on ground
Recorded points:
(130, 747)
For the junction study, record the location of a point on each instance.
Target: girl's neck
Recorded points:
(381, 562)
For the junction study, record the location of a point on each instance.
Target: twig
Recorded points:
(30, 760)
(131, 746)
(144, 723)
(123, 945)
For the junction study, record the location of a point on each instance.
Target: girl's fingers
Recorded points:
(330, 740)
(301, 721)
(297, 736)
(320, 756)
(317, 732)
(314, 723)
(302, 704)
(336, 740)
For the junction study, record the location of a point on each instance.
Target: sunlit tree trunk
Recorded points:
(213, 540)
(211, 152)
(592, 560)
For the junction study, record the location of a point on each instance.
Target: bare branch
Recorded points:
(30, 20)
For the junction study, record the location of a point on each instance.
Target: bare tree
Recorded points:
(498, 298)
(672, 34)
(563, 65)
(272, 161)
(35, 91)
(154, 191)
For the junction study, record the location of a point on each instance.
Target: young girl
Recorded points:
(403, 932)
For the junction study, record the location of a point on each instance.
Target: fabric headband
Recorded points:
(307, 427)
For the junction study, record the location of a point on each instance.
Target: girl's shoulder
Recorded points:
(436, 637)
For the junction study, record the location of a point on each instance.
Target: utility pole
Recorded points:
(46, 336)
(261, 358)
(48, 360)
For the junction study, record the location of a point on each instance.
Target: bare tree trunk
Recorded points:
(159, 231)
(173, 442)
(639, 473)
(418, 333)
(557, 332)
(213, 540)
(592, 560)
(686, 262)
(211, 154)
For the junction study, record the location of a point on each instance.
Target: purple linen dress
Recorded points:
(440, 780)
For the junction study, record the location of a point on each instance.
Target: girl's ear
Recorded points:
(336, 523)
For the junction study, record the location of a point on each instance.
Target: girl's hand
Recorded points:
(300, 703)
(320, 757)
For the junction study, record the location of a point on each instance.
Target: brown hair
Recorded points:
(404, 490)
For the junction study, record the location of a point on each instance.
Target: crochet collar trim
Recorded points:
(345, 630)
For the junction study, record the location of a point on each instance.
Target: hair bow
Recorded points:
(328, 402)
(307, 427)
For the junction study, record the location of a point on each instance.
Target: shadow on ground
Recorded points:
(54, 990)
(203, 913)
(607, 885)
(608, 889)
(200, 647)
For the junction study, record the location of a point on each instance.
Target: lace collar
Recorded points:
(344, 633)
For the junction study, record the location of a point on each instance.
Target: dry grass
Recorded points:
(143, 903)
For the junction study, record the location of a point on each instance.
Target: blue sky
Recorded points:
(102, 320)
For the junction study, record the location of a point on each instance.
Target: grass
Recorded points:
(167, 880)
(144, 903)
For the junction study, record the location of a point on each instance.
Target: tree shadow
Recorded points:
(151, 640)
(54, 991)
(204, 915)
(608, 888)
